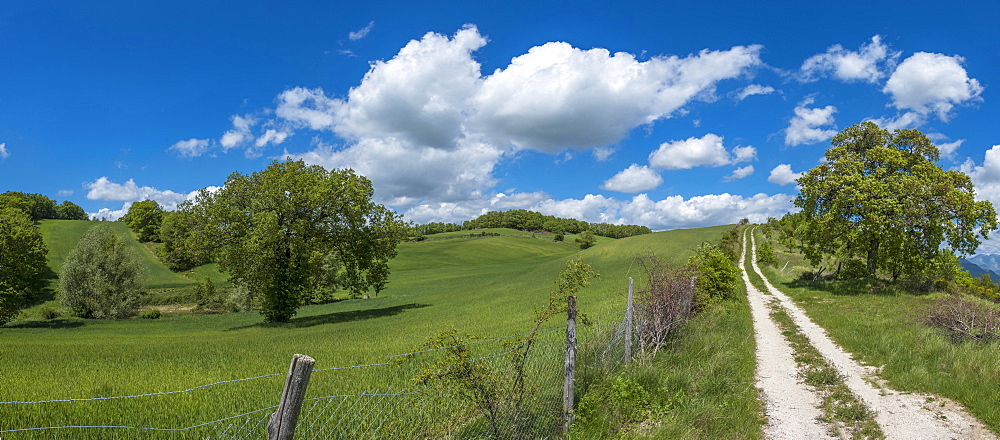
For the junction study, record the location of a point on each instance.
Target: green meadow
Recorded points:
(485, 287)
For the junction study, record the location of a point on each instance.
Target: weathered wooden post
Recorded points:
(628, 324)
(283, 421)
(570, 371)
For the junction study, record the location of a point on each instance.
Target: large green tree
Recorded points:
(269, 227)
(70, 211)
(22, 261)
(182, 249)
(102, 276)
(145, 218)
(881, 200)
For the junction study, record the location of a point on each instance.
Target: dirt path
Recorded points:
(901, 416)
(791, 407)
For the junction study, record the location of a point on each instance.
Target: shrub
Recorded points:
(718, 276)
(964, 318)
(586, 239)
(663, 304)
(48, 312)
(101, 276)
(151, 314)
(765, 254)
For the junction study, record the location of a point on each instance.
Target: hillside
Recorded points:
(61, 236)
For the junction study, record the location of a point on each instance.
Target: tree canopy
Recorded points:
(881, 200)
(22, 261)
(102, 276)
(144, 218)
(275, 229)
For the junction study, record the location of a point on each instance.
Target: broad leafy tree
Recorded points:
(35, 205)
(70, 211)
(22, 261)
(182, 249)
(270, 226)
(880, 199)
(145, 218)
(102, 276)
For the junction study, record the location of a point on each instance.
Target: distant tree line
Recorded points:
(531, 221)
(39, 207)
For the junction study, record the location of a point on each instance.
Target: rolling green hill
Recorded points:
(61, 236)
(484, 286)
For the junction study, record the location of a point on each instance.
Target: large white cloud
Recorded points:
(633, 179)
(707, 150)
(986, 179)
(866, 64)
(931, 83)
(130, 192)
(557, 96)
(806, 127)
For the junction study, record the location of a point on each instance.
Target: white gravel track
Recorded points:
(901, 416)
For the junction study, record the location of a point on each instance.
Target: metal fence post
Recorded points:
(283, 421)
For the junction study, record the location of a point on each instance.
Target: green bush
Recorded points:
(765, 254)
(718, 276)
(101, 277)
(612, 405)
(48, 312)
(151, 314)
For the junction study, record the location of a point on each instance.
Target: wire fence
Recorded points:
(501, 388)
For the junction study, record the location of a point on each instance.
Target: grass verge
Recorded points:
(886, 329)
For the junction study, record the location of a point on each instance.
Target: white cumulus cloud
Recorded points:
(740, 173)
(932, 83)
(783, 175)
(557, 96)
(634, 179)
(239, 134)
(707, 150)
(191, 147)
(806, 127)
(3, 151)
(867, 64)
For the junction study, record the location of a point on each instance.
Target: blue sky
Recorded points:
(663, 114)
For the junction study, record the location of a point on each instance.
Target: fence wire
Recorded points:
(498, 390)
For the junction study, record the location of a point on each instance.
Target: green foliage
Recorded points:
(37, 206)
(559, 237)
(182, 248)
(718, 275)
(22, 262)
(616, 403)
(765, 254)
(524, 220)
(102, 276)
(269, 226)
(48, 312)
(151, 314)
(586, 240)
(70, 211)
(881, 197)
(145, 218)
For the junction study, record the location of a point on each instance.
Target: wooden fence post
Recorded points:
(570, 371)
(628, 324)
(283, 421)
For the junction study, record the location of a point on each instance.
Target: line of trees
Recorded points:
(39, 207)
(531, 221)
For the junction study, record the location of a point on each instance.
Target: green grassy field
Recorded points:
(484, 286)
(885, 329)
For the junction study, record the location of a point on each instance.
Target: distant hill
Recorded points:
(977, 270)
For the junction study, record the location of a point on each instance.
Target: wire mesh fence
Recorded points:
(501, 388)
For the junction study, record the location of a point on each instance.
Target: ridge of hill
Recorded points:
(977, 270)
(990, 262)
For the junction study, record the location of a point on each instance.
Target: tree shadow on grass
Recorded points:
(855, 287)
(53, 323)
(336, 317)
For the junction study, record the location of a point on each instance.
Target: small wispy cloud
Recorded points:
(3, 151)
(361, 33)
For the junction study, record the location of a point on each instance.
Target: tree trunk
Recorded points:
(873, 257)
